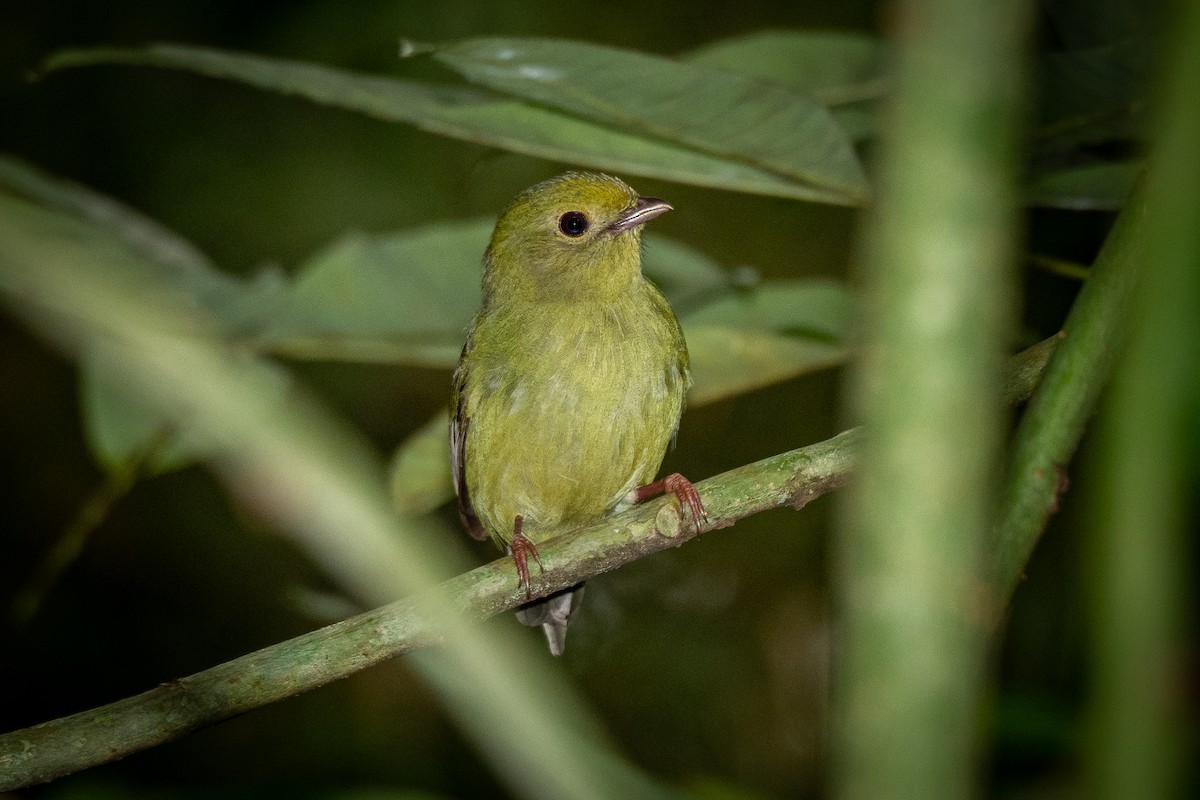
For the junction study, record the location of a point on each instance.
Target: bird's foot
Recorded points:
(684, 492)
(522, 547)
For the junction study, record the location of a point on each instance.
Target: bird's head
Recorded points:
(574, 236)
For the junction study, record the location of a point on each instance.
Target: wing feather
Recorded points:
(459, 423)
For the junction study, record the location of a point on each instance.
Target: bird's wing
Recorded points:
(459, 423)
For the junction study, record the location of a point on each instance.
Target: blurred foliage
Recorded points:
(296, 225)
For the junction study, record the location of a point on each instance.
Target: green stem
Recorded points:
(65, 551)
(912, 549)
(100, 735)
(1059, 266)
(1064, 402)
(1138, 511)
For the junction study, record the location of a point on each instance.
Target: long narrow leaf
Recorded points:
(831, 67)
(469, 114)
(723, 113)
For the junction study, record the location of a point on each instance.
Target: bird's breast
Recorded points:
(571, 415)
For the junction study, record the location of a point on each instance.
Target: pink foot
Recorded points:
(522, 548)
(683, 490)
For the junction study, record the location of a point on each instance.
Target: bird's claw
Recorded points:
(522, 548)
(687, 496)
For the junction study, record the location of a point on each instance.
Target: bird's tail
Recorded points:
(554, 614)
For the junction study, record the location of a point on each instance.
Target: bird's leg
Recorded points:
(522, 548)
(683, 490)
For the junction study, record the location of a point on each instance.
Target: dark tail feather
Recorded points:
(554, 614)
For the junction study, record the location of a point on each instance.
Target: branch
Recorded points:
(1058, 414)
(171, 710)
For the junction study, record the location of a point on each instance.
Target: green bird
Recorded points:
(572, 380)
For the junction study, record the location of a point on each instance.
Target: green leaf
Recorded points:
(748, 338)
(683, 273)
(842, 71)
(239, 306)
(469, 114)
(158, 243)
(409, 282)
(727, 362)
(404, 297)
(1093, 95)
(818, 308)
(121, 428)
(79, 223)
(831, 67)
(420, 470)
(1088, 188)
(718, 112)
(118, 426)
(407, 297)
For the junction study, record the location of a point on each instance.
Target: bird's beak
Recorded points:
(644, 210)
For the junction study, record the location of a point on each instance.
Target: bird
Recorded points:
(572, 380)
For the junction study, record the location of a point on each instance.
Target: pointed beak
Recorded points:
(644, 210)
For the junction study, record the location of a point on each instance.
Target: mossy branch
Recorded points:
(171, 710)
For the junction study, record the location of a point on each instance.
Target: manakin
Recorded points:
(572, 381)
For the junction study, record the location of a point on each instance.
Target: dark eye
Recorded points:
(573, 223)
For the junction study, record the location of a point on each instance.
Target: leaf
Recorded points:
(1087, 188)
(119, 428)
(143, 234)
(466, 113)
(727, 360)
(831, 67)
(1093, 95)
(718, 112)
(730, 361)
(842, 71)
(405, 297)
(814, 307)
(420, 470)
(683, 273)
(413, 281)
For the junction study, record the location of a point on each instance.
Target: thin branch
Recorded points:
(66, 549)
(1061, 408)
(60, 747)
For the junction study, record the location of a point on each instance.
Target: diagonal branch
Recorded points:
(1054, 423)
(171, 710)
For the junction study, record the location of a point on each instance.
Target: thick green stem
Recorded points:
(1138, 543)
(914, 613)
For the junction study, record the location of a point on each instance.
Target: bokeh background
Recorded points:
(691, 657)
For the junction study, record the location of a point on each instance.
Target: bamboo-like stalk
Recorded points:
(913, 625)
(1140, 739)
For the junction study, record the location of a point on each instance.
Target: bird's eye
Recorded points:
(573, 223)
